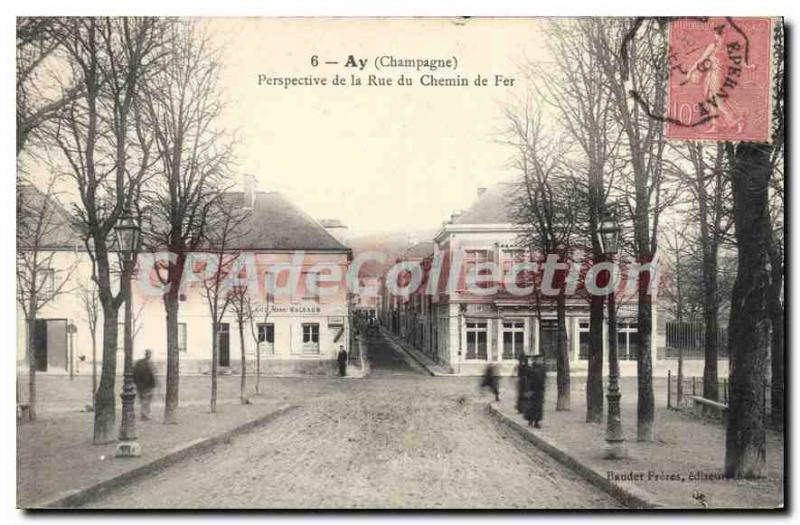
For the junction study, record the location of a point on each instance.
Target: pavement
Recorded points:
(681, 466)
(398, 438)
(56, 458)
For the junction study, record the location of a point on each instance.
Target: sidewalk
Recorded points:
(684, 447)
(55, 454)
(408, 349)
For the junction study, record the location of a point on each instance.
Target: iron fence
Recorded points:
(693, 386)
(689, 339)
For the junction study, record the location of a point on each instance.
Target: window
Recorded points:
(48, 285)
(266, 337)
(548, 338)
(311, 338)
(583, 339)
(627, 346)
(473, 258)
(513, 338)
(476, 340)
(181, 337)
(266, 333)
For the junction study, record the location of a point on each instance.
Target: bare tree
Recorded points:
(753, 168)
(90, 301)
(224, 229)
(107, 152)
(183, 109)
(632, 55)
(240, 304)
(777, 249)
(41, 92)
(576, 88)
(708, 187)
(254, 332)
(547, 206)
(42, 275)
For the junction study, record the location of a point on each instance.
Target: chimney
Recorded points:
(481, 191)
(250, 186)
(454, 216)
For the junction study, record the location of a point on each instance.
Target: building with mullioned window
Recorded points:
(465, 331)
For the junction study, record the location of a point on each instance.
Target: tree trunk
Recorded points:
(594, 378)
(214, 359)
(680, 377)
(562, 359)
(105, 399)
(777, 348)
(645, 409)
(745, 440)
(258, 368)
(94, 366)
(711, 321)
(31, 367)
(172, 305)
(242, 396)
(710, 301)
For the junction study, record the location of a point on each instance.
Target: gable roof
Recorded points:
(276, 223)
(58, 227)
(492, 207)
(419, 250)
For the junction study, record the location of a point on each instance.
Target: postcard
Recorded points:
(400, 263)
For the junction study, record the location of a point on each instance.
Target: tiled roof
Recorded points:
(419, 250)
(492, 207)
(275, 223)
(59, 231)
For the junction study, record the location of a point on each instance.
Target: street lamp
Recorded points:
(127, 231)
(608, 233)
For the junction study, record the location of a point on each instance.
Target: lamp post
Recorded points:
(127, 232)
(608, 237)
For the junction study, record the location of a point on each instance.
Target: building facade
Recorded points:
(295, 271)
(465, 331)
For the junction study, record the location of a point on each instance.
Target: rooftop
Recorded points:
(491, 207)
(276, 223)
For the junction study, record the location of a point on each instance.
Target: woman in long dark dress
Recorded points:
(522, 381)
(534, 408)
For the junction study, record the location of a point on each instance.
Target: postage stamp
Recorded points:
(720, 79)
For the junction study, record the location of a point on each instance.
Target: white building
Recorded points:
(467, 331)
(298, 332)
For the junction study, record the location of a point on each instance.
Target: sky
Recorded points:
(377, 158)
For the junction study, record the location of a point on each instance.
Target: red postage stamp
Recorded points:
(720, 79)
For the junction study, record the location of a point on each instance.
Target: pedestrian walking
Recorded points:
(144, 378)
(342, 360)
(522, 381)
(491, 381)
(537, 376)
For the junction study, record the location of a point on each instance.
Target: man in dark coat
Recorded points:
(144, 378)
(491, 381)
(342, 360)
(522, 381)
(537, 376)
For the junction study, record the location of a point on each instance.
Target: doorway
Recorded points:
(50, 344)
(548, 342)
(224, 335)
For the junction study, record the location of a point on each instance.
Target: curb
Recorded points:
(399, 346)
(630, 497)
(79, 497)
